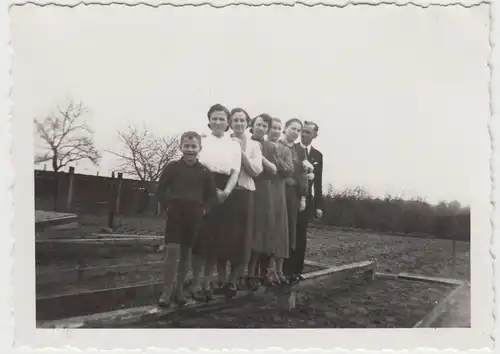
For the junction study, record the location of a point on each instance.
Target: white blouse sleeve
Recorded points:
(235, 148)
(255, 158)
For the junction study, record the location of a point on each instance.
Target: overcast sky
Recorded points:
(400, 93)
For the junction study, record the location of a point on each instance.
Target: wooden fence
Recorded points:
(88, 194)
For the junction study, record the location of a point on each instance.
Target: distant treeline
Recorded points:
(355, 208)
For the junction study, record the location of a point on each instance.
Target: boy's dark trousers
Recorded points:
(295, 264)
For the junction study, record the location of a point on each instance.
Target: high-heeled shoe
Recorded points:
(179, 299)
(282, 279)
(165, 299)
(230, 290)
(271, 278)
(209, 295)
(198, 295)
(253, 283)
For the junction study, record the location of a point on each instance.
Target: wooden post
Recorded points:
(454, 257)
(70, 188)
(111, 203)
(118, 192)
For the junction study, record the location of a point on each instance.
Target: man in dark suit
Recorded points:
(294, 266)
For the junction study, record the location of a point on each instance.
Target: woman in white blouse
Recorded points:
(222, 156)
(240, 202)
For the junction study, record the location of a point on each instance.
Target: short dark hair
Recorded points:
(237, 110)
(218, 108)
(265, 117)
(190, 135)
(310, 122)
(275, 119)
(293, 120)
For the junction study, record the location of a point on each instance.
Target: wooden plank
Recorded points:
(104, 241)
(316, 264)
(84, 303)
(71, 305)
(382, 275)
(129, 316)
(113, 235)
(439, 309)
(44, 219)
(337, 271)
(418, 277)
(76, 274)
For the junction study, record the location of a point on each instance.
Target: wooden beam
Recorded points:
(84, 303)
(103, 241)
(71, 305)
(113, 235)
(448, 281)
(317, 264)
(76, 274)
(44, 219)
(338, 271)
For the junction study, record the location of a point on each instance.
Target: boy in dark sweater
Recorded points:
(191, 189)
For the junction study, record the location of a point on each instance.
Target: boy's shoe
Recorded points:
(230, 290)
(209, 295)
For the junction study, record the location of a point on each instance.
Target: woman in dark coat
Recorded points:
(263, 215)
(297, 184)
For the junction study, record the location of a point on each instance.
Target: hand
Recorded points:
(302, 205)
(273, 169)
(319, 213)
(222, 195)
(310, 176)
(307, 166)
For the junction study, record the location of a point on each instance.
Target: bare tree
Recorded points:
(144, 155)
(66, 137)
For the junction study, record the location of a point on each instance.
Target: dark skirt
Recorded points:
(280, 235)
(292, 204)
(263, 220)
(213, 225)
(235, 242)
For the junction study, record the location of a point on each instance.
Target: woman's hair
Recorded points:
(293, 120)
(237, 110)
(265, 117)
(274, 119)
(218, 108)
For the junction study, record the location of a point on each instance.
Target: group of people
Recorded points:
(241, 197)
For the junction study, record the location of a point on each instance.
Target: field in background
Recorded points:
(351, 208)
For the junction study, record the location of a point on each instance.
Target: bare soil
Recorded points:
(349, 304)
(393, 254)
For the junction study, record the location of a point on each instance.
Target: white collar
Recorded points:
(306, 147)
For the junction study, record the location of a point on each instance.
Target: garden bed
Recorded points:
(384, 303)
(139, 270)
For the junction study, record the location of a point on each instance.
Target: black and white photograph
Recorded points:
(252, 167)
